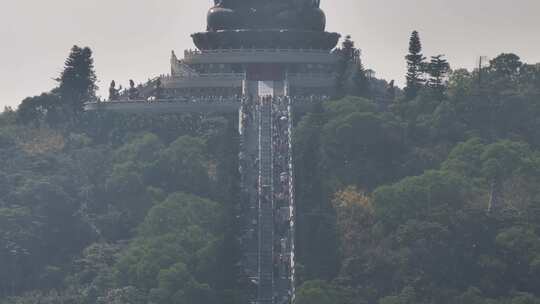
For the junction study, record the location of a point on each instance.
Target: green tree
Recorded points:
(438, 69)
(37, 110)
(158, 89)
(506, 65)
(174, 256)
(352, 77)
(361, 81)
(406, 296)
(321, 292)
(184, 166)
(358, 148)
(77, 82)
(415, 67)
(125, 295)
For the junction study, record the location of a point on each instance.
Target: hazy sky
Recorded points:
(133, 38)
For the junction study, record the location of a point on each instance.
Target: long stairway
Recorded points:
(249, 172)
(268, 193)
(266, 204)
(283, 200)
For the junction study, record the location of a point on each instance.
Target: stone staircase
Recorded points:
(266, 205)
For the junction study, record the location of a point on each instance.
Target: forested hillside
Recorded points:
(426, 195)
(432, 199)
(127, 210)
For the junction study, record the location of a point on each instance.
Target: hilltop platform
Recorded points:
(180, 106)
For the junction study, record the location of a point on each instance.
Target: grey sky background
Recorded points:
(133, 38)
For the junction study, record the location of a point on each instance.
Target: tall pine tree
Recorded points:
(346, 53)
(77, 82)
(352, 77)
(415, 67)
(360, 81)
(438, 69)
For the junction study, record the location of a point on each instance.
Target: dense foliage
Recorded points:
(110, 208)
(88, 217)
(432, 198)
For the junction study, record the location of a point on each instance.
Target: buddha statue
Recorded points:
(266, 24)
(266, 14)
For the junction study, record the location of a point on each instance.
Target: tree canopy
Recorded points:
(426, 197)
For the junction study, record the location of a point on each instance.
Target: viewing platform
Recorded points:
(165, 106)
(187, 106)
(292, 56)
(311, 80)
(203, 80)
(228, 80)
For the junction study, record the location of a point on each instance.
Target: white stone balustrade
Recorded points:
(260, 56)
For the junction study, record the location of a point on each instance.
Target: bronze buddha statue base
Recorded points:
(266, 24)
